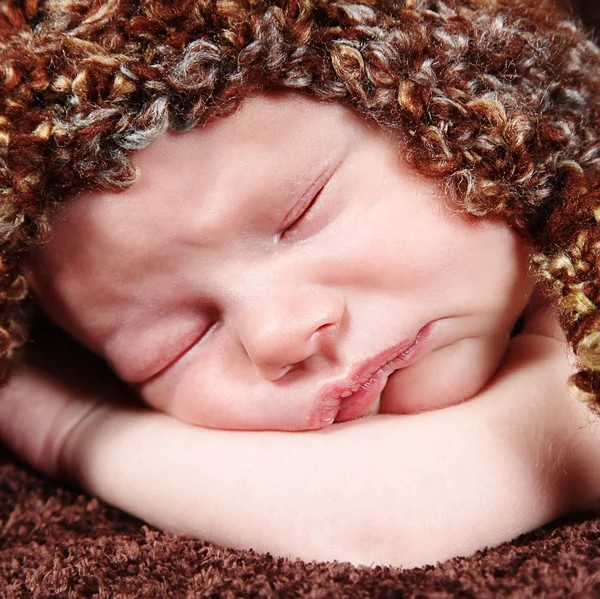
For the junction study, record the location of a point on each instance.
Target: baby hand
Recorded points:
(51, 393)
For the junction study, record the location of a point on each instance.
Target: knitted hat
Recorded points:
(497, 99)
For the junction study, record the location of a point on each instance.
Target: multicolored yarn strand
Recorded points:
(496, 99)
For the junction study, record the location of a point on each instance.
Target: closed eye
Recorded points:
(170, 354)
(300, 214)
(307, 216)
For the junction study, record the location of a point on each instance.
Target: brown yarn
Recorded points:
(498, 99)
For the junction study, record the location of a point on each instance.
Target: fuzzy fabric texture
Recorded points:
(497, 99)
(58, 543)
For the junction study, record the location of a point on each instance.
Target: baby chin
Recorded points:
(443, 378)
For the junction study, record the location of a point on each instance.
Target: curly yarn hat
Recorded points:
(497, 99)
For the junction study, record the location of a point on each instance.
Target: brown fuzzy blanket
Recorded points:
(58, 542)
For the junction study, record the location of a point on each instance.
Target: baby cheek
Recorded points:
(206, 395)
(444, 377)
(189, 395)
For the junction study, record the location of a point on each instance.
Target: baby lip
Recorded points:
(362, 402)
(375, 370)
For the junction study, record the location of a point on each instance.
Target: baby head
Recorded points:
(277, 268)
(294, 249)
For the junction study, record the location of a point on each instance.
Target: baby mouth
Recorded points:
(361, 394)
(362, 402)
(361, 399)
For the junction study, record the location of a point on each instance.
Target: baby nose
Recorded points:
(279, 336)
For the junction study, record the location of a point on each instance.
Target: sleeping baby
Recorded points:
(304, 276)
(333, 211)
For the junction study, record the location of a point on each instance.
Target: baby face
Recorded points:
(281, 269)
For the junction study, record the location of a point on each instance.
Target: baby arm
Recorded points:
(403, 490)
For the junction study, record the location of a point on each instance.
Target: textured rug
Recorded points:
(58, 542)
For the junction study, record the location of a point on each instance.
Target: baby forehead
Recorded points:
(269, 147)
(264, 146)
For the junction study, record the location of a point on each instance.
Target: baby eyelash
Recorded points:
(305, 209)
